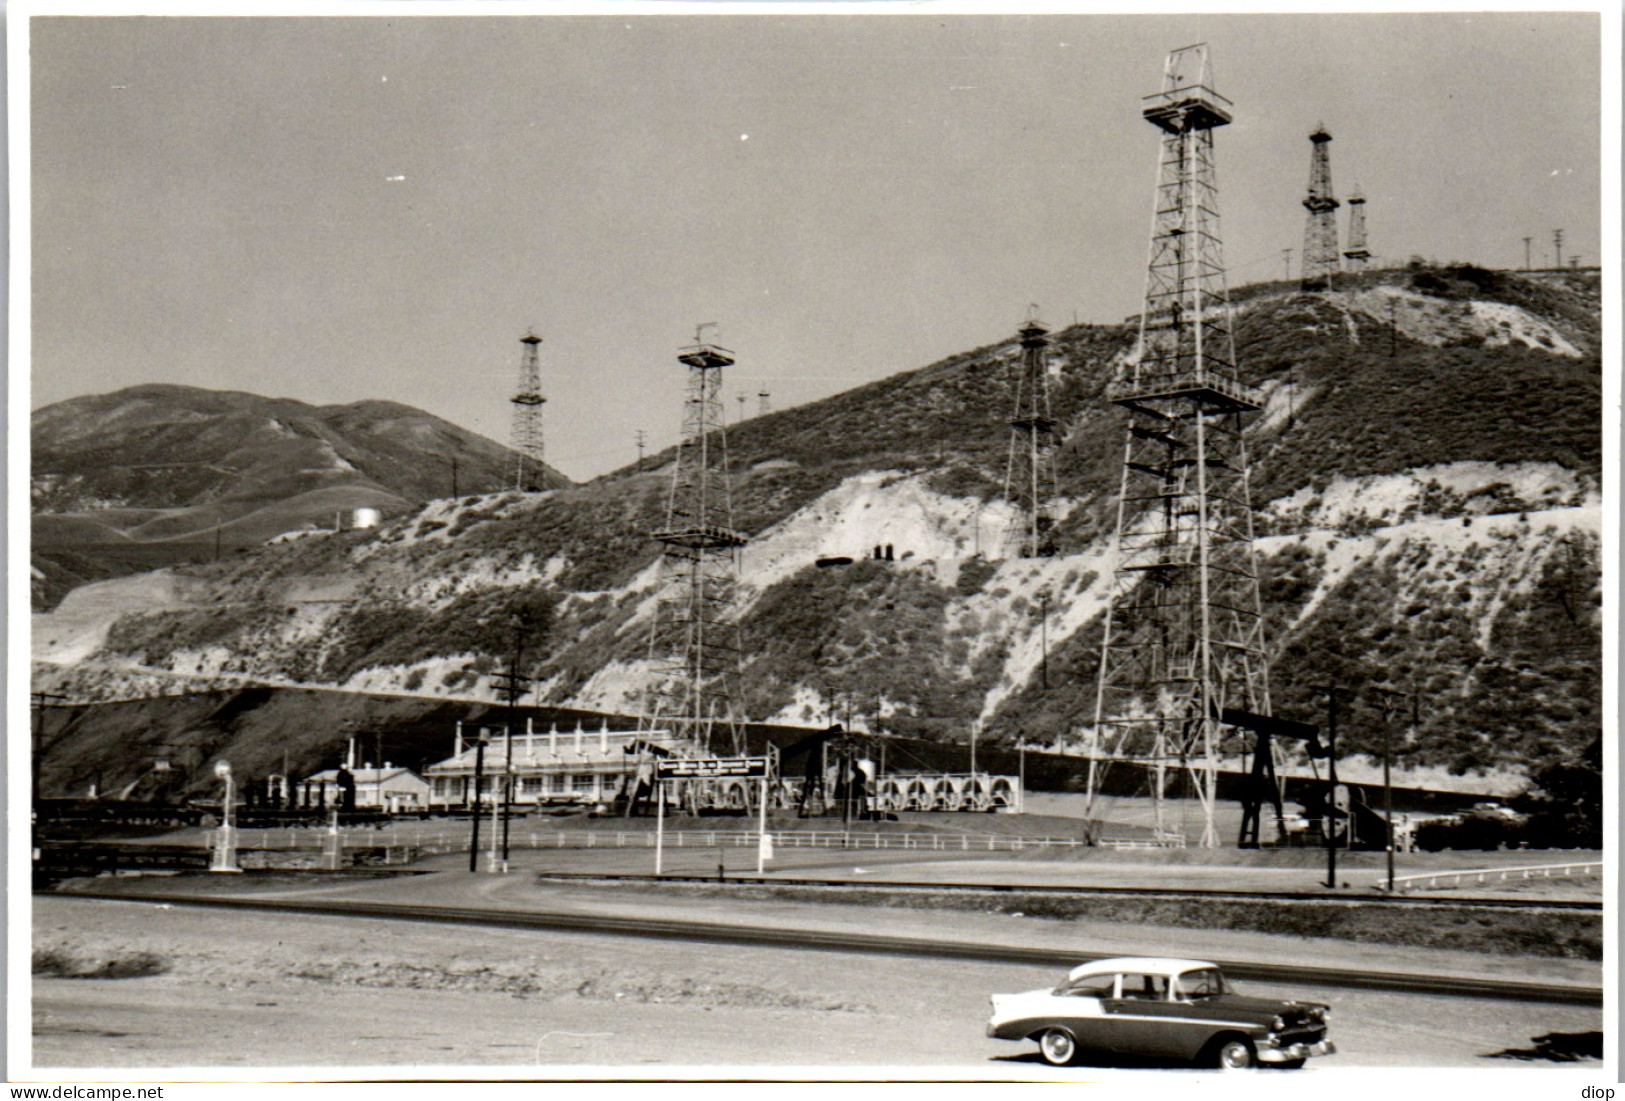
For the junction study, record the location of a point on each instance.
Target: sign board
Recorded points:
(704, 768)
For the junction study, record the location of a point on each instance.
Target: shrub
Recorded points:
(64, 962)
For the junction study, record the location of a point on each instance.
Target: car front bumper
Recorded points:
(1288, 1052)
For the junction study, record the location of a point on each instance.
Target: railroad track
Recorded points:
(1181, 894)
(778, 937)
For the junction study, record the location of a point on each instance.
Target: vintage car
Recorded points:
(1154, 1008)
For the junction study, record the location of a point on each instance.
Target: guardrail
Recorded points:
(1481, 876)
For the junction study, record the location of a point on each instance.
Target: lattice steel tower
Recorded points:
(529, 473)
(694, 643)
(1320, 231)
(1357, 254)
(1029, 477)
(1183, 637)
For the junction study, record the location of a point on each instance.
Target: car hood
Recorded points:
(1265, 1009)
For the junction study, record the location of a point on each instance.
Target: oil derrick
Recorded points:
(1029, 478)
(1357, 254)
(1184, 630)
(529, 474)
(1320, 231)
(694, 643)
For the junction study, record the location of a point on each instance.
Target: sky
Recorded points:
(336, 209)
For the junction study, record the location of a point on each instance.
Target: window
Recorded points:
(1194, 985)
(1090, 986)
(1150, 988)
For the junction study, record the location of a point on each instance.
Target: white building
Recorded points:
(396, 790)
(576, 768)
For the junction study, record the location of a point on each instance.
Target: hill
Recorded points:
(1426, 473)
(161, 475)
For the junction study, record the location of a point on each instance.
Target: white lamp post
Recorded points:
(225, 840)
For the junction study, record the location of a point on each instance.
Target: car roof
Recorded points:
(1162, 965)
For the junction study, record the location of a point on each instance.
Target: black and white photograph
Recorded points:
(886, 542)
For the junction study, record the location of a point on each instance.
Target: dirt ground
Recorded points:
(242, 990)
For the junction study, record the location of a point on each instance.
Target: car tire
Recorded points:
(1057, 1047)
(1234, 1053)
(1291, 1064)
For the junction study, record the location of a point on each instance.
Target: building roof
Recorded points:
(363, 775)
(556, 749)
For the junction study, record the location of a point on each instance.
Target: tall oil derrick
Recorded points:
(1320, 231)
(529, 474)
(694, 643)
(1029, 478)
(1357, 254)
(1184, 629)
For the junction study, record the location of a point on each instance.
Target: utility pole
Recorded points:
(1557, 243)
(1389, 698)
(454, 477)
(1331, 782)
(512, 680)
(1526, 241)
(1286, 261)
(640, 451)
(479, 779)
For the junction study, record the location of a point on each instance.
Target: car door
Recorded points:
(1141, 1020)
(1080, 1008)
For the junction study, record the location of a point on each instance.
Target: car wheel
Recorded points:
(1235, 1053)
(1057, 1047)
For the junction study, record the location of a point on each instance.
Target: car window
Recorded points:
(1145, 987)
(1090, 986)
(1195, 985)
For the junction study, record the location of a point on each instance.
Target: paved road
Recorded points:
(258, 990)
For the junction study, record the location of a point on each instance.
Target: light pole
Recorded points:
(225, 844)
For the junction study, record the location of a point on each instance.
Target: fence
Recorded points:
(1482, 876)
(457, 840)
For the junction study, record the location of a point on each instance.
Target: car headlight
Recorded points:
(1278, 1024)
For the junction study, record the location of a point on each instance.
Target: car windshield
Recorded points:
(1089, 986)
(1196, 985)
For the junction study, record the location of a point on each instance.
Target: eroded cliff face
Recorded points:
(1426, 477)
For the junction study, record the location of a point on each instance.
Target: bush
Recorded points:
(63, 962)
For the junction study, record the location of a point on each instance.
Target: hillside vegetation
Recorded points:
(1426, 475)
(160, 475)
